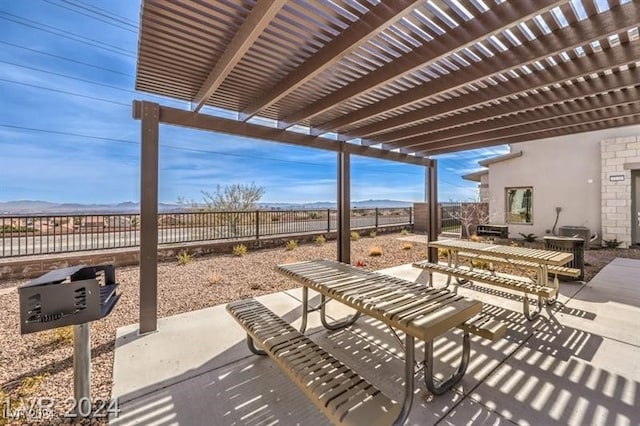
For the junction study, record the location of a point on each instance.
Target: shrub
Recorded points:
(184, 258)
(320, 240)
(62, 335)
(373, 234)
(313, 215)
(481, 264)
(530, 238)
(255, 286)
(474, 238)
(375, 251)
(442, 253)
(355, 236)
(291, 245)
(612, 243)
(239, 250)
(407, 246)
(404, 232)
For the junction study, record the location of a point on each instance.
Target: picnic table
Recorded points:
(419, 311)
(540, 260)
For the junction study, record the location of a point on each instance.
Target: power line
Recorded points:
(82, 39)
(91, 16)
(85, 81)
(64, 58)
(106, 12)
(65, 92)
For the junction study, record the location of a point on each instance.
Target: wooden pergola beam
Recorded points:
(200, 121)
(608, 59)
(259, 17)
(538, 117)
(616, 20)
(466, 34)
(368, 25)
(565, 93)
(528, 132)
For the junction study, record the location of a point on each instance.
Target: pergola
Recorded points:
(400, 80)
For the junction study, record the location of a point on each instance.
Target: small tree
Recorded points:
(232, 199)
(471, 214)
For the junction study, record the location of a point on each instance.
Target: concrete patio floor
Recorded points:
(579, 363)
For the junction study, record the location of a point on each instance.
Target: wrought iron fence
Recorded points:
(450, 217)
(35, 235)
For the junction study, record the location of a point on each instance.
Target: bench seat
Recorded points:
(558, 270)
(340, 393)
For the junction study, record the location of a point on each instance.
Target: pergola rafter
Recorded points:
(606, 60)
(619, 19)
(377, 18)
(566, 93)
(625, 110)
(253, 25)
(466, 34)
(600, 124)
(541, 116)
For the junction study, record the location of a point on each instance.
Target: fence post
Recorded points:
(376, 218)
(328, 220)
(257, 224)
(410, 216)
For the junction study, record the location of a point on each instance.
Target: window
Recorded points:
(520, 205)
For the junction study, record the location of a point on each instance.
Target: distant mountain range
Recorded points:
(40, 207)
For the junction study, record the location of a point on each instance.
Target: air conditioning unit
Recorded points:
(578, 232)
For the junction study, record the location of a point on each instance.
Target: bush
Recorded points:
(404, 232)
(291, 245)
(375, 251)
(530, 238)
(320, 240)
(214, 279)
(474, 238)
(612, 243)
(184, 258)
(407, 246)
(442, 253)
(355, 236)
(373, 234)
(481, 264)
(313, 215)
(239, 250)
(62, 335)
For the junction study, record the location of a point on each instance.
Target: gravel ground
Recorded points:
(205, 282)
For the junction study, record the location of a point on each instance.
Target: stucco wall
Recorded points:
(564, 172)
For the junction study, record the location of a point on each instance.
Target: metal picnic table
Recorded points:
(420, 312)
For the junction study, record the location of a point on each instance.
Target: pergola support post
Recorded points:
(150, 119)
(344, 208)
(432, 200)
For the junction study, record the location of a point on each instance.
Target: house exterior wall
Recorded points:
(620, 156)
(483, 189)
(564, 172)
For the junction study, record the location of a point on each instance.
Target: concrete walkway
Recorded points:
(578, 364)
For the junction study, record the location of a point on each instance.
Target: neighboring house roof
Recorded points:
(475, 176)
(499, 158)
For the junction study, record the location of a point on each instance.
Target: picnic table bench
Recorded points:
(542, 260)
(418, 311)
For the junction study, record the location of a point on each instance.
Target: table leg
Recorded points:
(455, 377)
(252, 347)
(305, 309)
(338, 324)
(525, 307)
(409, 387)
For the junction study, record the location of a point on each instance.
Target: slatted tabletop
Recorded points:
(539, 256)
(420, 311)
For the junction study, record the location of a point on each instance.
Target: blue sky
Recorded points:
(67, 75)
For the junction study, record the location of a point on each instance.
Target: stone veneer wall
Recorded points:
(619, 156)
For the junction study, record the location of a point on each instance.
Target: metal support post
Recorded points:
(344, 208)
(432, 181)
(82, 367)
(149, 218)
